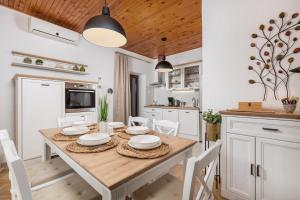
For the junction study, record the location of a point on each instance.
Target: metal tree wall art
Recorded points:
(276, 47)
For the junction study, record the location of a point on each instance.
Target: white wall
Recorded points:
(162, 94)
(227, 26)
(145, 72)
(14, 36)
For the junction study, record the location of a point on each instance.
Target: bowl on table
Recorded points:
(116, 124)
(137, 130)
(75, 130)
(94, 139)
(144, 142)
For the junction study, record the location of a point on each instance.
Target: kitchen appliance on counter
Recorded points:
(80, 97)
(177, 103)
(171, 101)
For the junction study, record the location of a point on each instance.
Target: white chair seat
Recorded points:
(39, 173)
(164, 188)
(72, 188)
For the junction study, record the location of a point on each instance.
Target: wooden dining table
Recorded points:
(112, 175)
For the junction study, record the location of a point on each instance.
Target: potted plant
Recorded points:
(103, 113)
(213, 125)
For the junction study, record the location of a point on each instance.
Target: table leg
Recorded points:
(46, 152)
(188, 154)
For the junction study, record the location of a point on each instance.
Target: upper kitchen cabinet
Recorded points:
(184, 77)
(174, 79)
(191, 77)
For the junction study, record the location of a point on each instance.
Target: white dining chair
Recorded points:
(40, 173)
(140, 120)
(71, 187)
(166, 127)
(69, 120)
(197, 184)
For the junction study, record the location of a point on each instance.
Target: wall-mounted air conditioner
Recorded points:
(52, 31)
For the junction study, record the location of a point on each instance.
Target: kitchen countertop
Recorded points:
(172, 107)
(276, 114)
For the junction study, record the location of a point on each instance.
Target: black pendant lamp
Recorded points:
(103, 30)
(163, 65)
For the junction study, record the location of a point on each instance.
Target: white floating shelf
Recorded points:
(48, 63)
(47, 68)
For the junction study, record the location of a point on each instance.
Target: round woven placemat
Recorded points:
(77, 148)
(127, 136)
(62, 137)
(125, 150)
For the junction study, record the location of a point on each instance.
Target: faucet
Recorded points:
(194, 101)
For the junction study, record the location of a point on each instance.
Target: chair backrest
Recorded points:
(68, 121)
(4, 135)
(141, 120)
(166, 126)
(18, 177)
(196, 166)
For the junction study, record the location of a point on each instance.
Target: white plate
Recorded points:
(145, 140)
(137, 133)
(75, 130)
(81, 123)
(93, 139)
(136, 146)
(138, 128)
(116, 124)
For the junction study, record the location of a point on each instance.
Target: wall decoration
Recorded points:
(276, 44)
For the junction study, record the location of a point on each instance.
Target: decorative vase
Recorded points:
(212, 131)
(103, 127)
(289, 105)
(290, 108)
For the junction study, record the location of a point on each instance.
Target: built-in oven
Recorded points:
(80, 97)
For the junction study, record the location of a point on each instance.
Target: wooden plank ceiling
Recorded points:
(145, 21)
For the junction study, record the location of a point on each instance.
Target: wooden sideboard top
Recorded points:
(52, 78)
(276, 114)
(172, 107)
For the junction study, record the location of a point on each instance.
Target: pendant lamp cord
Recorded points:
(105, 2)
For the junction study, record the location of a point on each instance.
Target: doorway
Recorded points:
(134, 92)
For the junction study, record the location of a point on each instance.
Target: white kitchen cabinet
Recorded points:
(240, 159)
(153, 113)
(189, 122)
(260, 158)
(170, 114)
(183, 77)
(39, 103)
(156, 116)
(278, 164)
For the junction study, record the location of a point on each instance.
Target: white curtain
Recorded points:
(122, 105)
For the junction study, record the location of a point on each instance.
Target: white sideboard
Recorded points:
(260, 158)
(189, 119)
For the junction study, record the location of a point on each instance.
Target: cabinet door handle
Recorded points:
(258, 170)
(252, 167)
(169, 111)
(187, 112)
(270, 129)
(45, 84)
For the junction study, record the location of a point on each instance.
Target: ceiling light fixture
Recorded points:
(163, 65)
(103, 30)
